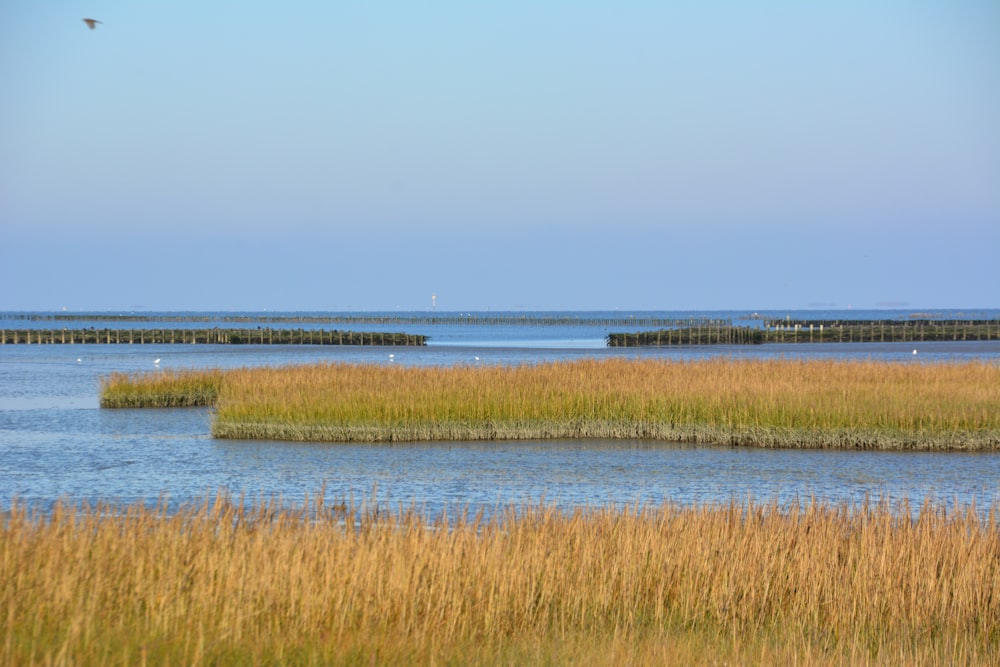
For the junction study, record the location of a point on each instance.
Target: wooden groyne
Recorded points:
(851, 331)
(382, 319)
(911, 323)
(214, 336)
(698, 335)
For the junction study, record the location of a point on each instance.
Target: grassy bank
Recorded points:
(224, 583)
(858, 404)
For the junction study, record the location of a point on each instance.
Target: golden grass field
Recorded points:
(224, 582)
(771, 403)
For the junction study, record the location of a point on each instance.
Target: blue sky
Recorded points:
(516, 155)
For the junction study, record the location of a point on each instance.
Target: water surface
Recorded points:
(56, 443)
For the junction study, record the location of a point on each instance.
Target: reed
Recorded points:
(161, 389)
(229, 582)
(784, 403)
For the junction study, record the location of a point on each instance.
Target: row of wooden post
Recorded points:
(876, 332)
(263, 336)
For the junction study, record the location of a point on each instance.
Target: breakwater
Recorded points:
(213, 336)
(379, 319)
(824, 331)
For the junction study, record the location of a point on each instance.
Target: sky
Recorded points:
(557, 155)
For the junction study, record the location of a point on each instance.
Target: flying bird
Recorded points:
(91, 23)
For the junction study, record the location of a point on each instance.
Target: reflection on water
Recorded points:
(56, 443)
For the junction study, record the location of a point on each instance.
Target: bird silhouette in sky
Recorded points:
(91, 23)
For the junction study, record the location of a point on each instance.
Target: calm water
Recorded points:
(55, 442)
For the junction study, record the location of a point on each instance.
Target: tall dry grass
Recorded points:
(161, 389)
(227, 583)
(748, 402)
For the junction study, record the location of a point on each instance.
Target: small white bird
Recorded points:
(156, 362)
(91, 23)
(914, 352)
